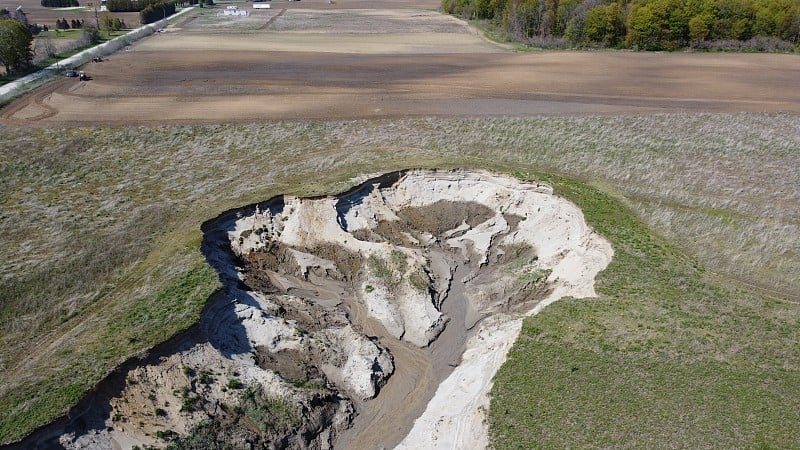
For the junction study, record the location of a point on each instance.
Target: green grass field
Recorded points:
(666, 358)
(101, 233)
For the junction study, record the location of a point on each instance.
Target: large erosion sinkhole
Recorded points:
(371, 319)
(374, 293)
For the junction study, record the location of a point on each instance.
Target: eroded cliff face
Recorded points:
(341, 316)
(391, 248)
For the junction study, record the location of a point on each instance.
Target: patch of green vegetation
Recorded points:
(206, 435)
(166, 435)
(171, 304)
(234, 383)
(535, 277)
(626, 400)
(391, 272)
(190, 403)
(369, 288)
(378, 266)
(61, 34)
(664, 356)
(270, 415)
(31, 406)
(399, 262)
(149, 319)
(420, 280)
(205, 377)
(312, 385)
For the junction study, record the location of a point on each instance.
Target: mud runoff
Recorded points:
(342, 318)
(322, 269)
(418, 374)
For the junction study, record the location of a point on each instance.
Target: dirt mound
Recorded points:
(443, 215)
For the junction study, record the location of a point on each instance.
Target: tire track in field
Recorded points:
(272, 19)
(38, 98)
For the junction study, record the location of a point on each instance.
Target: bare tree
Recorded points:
(43, 48)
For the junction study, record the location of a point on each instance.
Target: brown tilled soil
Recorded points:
(394, 67)
(248, 86)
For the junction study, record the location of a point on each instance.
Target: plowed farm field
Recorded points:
(351, 60)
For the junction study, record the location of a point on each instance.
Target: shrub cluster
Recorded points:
(639, 24)
(110, 23)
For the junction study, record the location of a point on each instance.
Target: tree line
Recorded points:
(149, 10)
(127, 5)
(639, 24)
(62, 24)
(156, 11)
(59, 3)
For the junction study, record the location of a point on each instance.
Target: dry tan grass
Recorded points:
(371, 21)
(93, 219)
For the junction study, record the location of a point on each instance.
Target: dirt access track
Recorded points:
(350, 59)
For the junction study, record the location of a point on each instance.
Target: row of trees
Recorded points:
(156, 11)
(16, 34)
(125, 5)
(149, 10)
(140, 5)
(131, 5)
(59, 3)
(62, 24)
(111, 23)
(641, 24)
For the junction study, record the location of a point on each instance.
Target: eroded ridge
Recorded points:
(365, 320)
(415, 260)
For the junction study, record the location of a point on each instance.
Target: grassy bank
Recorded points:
(665, 358)
(101, 225)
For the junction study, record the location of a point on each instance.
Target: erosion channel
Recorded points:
(340, 317)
